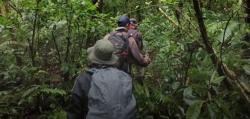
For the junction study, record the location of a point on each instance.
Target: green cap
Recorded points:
(102, 53)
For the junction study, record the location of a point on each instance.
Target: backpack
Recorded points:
(110, 95)
(120, 43)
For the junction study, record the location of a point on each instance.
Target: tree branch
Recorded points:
(221, 68)
(31, 42)
(56, 46)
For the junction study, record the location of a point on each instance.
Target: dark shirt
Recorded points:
(137, 36)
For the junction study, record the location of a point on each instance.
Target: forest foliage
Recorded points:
(43, 49)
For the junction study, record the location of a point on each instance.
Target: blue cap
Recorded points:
(123, 21)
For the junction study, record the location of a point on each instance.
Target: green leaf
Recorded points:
(217, 80)
(53, 91)
(30, 91)
(229, 31)
(224, 108)
(211, 111)
(57, 114)
(247, 69)
(176, 85)
(194, 110)
(14, 44)
(188, 93)
(146, 91)
(188, 96)
(4, 21)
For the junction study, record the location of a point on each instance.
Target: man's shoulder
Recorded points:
(84, 76)
(121, 29)
(116, 70)
(109, 69)
(134, 32)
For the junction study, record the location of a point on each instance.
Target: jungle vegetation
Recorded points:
(200, 51)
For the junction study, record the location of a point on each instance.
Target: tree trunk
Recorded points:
(32, 40)
(245, 47)
(178, 11)
(205, 38)
(209, 4)
(222, 69)
(247, 9)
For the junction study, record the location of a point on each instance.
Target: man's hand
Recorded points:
(147, 58)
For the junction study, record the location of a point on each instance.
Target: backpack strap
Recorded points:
(91, 71)
(97, 68)
(124, 35)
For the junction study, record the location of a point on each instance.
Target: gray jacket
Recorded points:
(104, 93)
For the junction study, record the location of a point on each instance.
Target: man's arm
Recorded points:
(79, 101)
(135, 52)
(140, 40)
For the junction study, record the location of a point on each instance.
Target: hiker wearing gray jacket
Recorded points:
(103, 91)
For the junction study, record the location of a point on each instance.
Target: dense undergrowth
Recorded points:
(43, 48)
